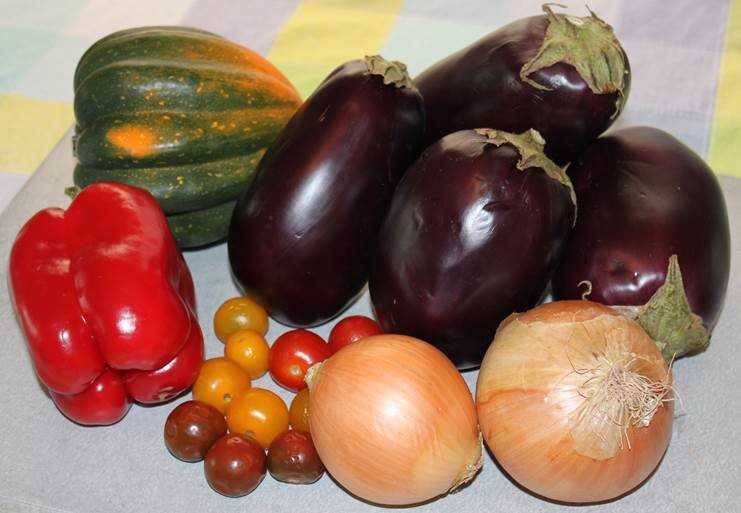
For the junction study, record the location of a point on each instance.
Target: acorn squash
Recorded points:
(181, 112)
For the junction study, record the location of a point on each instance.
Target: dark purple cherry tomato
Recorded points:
(192, 428)
(235, 465)
(292, 458)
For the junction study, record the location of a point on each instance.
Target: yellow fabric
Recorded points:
(322, 34)
(725, 142)
(31, 127)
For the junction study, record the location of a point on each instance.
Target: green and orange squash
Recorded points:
(181, 112)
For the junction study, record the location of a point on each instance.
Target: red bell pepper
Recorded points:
(106, 304)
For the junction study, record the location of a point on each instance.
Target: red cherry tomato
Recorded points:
(351, 329)
(292, 354)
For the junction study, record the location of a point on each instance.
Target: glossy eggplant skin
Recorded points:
(643, 196)
(468, 240)
(301, 235)
(480, 86)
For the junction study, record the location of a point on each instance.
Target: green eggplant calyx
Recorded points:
(530, 145)
(669, 320)
(393, 72)
(586, 43)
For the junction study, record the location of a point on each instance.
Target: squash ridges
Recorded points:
(148, 140)
(204, 185)
(181, 112)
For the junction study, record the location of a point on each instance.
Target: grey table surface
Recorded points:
(50, 464)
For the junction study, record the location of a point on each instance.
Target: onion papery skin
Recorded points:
(393, 420)
(530, 387)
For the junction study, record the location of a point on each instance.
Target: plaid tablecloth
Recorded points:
(685, 55)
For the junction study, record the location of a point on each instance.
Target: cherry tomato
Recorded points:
(249, 350)
(351, 329)
(192, 428)
(292, 458)
(259, 413)
(234, 465)
(219, 380)
(239, 313)
(298, 413)
(292, 354)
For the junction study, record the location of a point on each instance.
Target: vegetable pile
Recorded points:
(458, 197)
(240, 431)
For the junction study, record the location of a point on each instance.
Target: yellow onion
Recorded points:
(575, 401)
(393, 420)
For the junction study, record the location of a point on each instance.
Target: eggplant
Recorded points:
(645, 197)
(475, 230)
(564, 76)
(302, 233)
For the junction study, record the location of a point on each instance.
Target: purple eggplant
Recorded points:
(564, 76)
(643, 198)
(475, 230)
(301, 235)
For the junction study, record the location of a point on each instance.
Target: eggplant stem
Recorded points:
(589, 45)
(531, 147)
(549, 12)
(587, 292)
(669, 320)
(393, 72)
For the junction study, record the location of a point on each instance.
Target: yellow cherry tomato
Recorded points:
(259, 413)
(219, 381)
(298, 413)
(239, 313)
(249, 350)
